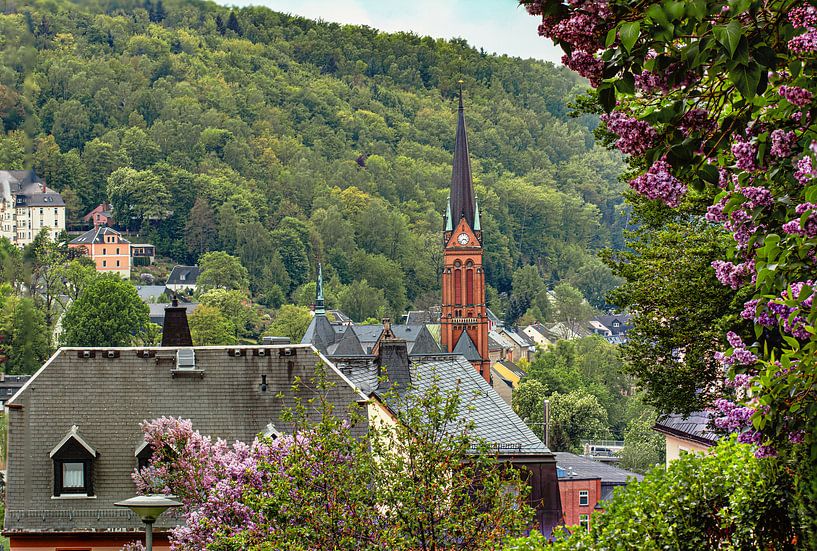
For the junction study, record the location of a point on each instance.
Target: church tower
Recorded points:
(464, 323)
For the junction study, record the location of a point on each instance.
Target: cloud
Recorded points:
(497, 26)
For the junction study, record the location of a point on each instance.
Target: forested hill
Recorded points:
(283, 140)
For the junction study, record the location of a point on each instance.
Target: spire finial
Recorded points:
(320, 309)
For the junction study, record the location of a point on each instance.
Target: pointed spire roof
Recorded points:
(477, 223)
(465, 347)
(462, 188)
(449, 226)
(320, 308)
(349, 344)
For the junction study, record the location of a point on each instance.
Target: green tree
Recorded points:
(200, 231)
(108, 312)
(576, 416)
(209, 327)
(137, 195)
(26, 344)
(724, 499)
(571, 307)
(290, 321)
(359, 301)
(72, 125)
(235, 306)
(220, 270)
(643, 447)
(528, 403)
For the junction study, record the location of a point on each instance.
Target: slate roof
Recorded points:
(107, 398)
(97, 235)
(190, 273)
(348, 345)
(585, 468)
(326, 337)
(493, 418)
(26, 188)
(149, 292)
(157, 310)
(465, 347)
(607, 320)
(422, 317)
(10, 384)
(520, 339)
(695, 427)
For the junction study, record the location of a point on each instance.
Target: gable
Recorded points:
(463, 228)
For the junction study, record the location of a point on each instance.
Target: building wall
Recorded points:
(676, 446)
(21, 225)
(569, 492)
(536, 337)
(113, 257)
(83, 543)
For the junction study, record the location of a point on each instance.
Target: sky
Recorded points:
(497, 26)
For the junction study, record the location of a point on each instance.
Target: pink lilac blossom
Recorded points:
(586, 65)
(806, 43)
(783, 143)
(659, 183)
(714, 213)
(807, 229)
(803, 17)
(697, 120)
(804, 172)
(757, 197)
(796, 95)
(745, 155)
(635, 137)
(733, 275)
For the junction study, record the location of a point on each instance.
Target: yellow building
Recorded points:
(686, 434)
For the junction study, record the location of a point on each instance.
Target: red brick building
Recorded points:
(584, 483)
(464, 320)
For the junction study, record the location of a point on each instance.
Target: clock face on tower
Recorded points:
(462, 239)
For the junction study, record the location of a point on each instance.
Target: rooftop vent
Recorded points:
(185, 358)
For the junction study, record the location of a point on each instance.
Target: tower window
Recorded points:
(469, 286)
(458, 287)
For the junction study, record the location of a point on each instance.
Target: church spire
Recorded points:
(462, 189)
(320, 309)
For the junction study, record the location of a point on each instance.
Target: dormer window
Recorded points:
(143, 454)
(73, 466)
(271, 432)
(616, 324)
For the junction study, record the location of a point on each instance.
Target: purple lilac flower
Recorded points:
(635, 137)
(804, 172)
(796, 95)
(659, 183)
(745, 154)
(783, 143)
(803, 17)
(733, 275)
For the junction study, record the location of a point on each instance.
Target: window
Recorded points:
(104, 250)
(143, 455)
(584, 522)
(584, 498)
(117, 263)
(104, 263)
(616, 324)
(117, 250)
(73, 462)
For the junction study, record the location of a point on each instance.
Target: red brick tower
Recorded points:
(464, 320)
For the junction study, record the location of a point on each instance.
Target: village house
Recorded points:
(584, 483)
(27, 206)
(540, 335)
(505, 378)
(101, 215)
(110, 251)
(183, 278)
(686, 434)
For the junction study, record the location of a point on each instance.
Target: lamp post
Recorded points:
(149, 508)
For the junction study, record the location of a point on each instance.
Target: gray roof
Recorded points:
(493, 418)
(422, 317)
(465, 347)
(97, 235)
(693, 427)
(27, 189)
(157, 310)
(190, 273)
(585, 468)
(326, 336)
(348, 345)
(608, 320)
(10, 384)
(147, 292)
(107, 398)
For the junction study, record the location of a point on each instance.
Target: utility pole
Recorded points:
(547, 423)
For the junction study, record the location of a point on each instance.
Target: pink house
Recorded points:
(100, 216)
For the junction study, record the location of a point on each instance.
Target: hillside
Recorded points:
(283, 141)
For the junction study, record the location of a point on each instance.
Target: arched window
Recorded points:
(457, 286)
(469, 286)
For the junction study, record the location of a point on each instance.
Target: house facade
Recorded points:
(101, 215)
(183, 278)
(27, 206)
(685, 434)
(584, 484)
(74, 436)
(110, 251)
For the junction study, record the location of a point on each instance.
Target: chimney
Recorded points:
(393, 358)
(176, 331)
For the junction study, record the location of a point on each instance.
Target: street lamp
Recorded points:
(149, 508)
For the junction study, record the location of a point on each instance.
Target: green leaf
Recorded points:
(729, 36)
(765, 56)
(611, 37)
(629, 34)
(746, 79)
(607, 97)
(626, 84)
